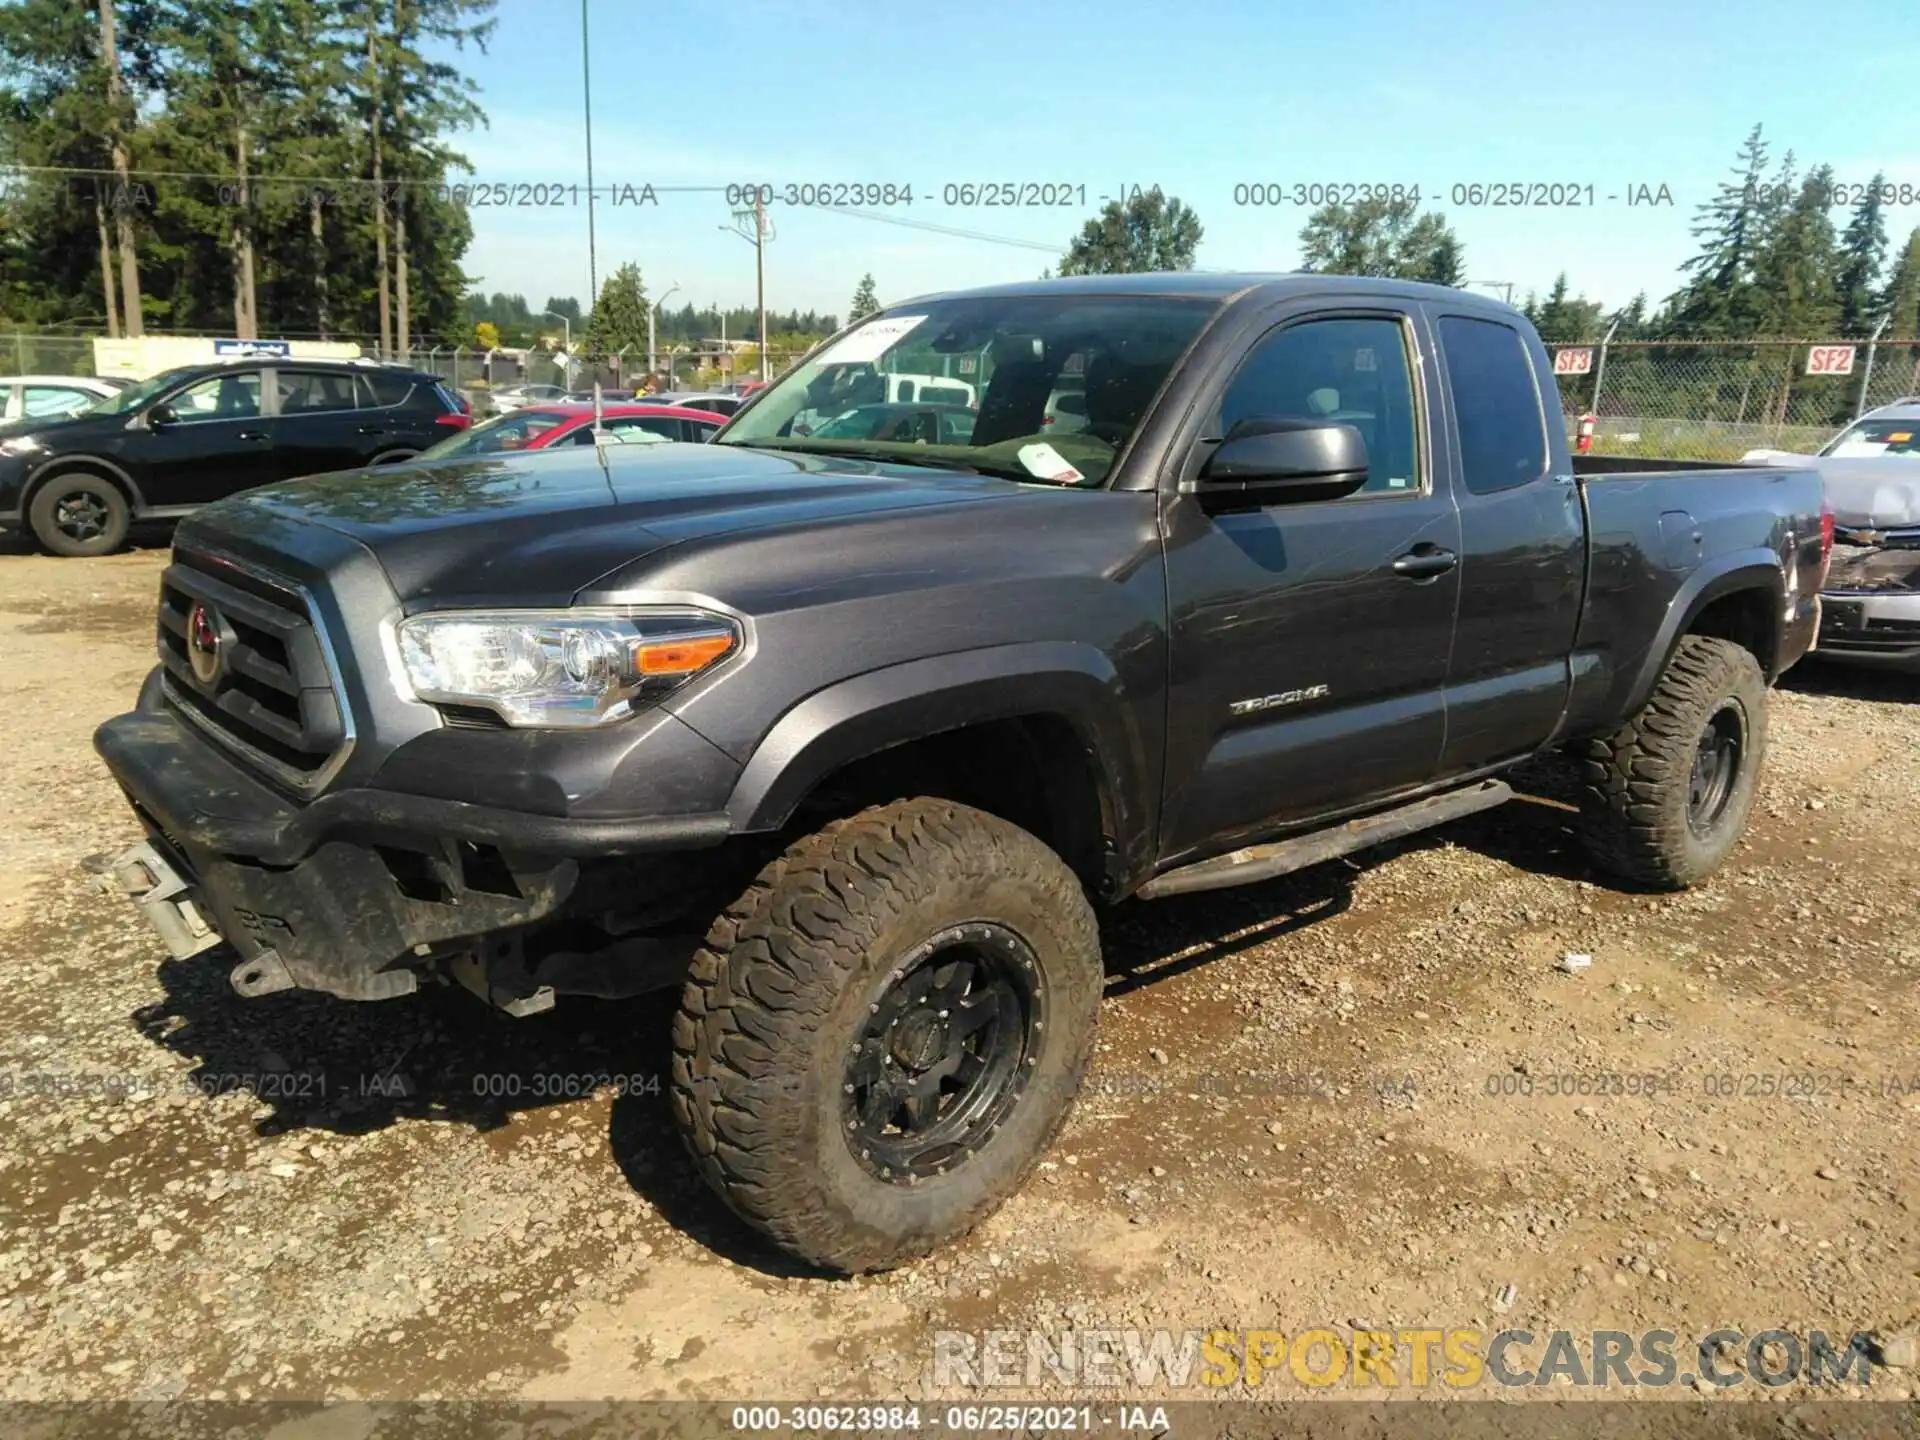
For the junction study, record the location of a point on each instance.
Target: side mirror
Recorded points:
(1277, 461)
(161, 416)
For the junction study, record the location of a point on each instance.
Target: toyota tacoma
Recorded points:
(845, 738)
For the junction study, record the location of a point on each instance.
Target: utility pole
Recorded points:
(586, 88)
(762, 232)
(760, 273)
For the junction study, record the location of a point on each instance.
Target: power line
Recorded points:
(936, 229)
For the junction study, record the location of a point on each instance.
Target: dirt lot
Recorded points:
(1347, 1116)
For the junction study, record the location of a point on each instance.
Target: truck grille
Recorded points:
(258, 679)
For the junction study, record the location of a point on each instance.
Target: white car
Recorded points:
(515, 397)
(1066, 412)
(48, 397)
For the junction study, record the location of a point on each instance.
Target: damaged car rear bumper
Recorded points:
(1871, 629)
(1870, 608)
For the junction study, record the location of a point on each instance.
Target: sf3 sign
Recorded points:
(1573, 362)
(1830, 360)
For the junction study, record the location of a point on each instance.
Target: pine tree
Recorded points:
(1900, 300)
(864, 302)
(1445, 263)
(619, 319)
(1794, 266)
(70, 246)
(1863, 251)
(1717, 298)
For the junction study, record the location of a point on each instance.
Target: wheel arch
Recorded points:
(95, 465)
(1741, 597)
(1059, 706)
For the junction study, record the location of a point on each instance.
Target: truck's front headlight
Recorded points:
(20, 445)
(560, 668)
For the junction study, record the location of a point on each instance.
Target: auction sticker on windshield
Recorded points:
(1048, 463)
(872, 341)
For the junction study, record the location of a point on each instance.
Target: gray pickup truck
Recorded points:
(844, 738)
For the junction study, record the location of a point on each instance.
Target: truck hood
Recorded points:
(1863, 493)
(544, 525)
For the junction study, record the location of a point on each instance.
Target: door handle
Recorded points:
(373, 429)
(1425, 562)
(252, 435)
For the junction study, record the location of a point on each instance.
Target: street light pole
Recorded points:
(760, 274)
(652, 313)
(586, 89)
(762, 232)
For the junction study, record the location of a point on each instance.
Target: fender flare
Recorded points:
(57, 465)
(868, 713)
(1739, 570)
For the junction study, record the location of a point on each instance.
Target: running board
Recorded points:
(1263, 862)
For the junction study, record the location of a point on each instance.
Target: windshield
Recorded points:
(137, 395)
(1876, 437)
(966, 381)
(503, 432)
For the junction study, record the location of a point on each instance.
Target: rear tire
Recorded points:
(911, 942)
(79, 515)
(1666, 797)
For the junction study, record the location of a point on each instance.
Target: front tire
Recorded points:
(881, 1037)
(1666, 797)
(79, 515)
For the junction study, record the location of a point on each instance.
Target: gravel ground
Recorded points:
(1347, 1117)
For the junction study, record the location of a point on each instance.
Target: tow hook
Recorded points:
(264, 974)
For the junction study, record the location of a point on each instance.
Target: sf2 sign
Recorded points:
(1573, 362)
(1830, 360)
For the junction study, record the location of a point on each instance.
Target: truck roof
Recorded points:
(1196, 284)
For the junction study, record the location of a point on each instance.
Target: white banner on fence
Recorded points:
(1830, 359)
(1573, 362)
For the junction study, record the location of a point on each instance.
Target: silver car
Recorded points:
(1870, 604)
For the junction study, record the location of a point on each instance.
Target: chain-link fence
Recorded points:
(1706, 400)
(469, 369)
(32, 353)
(1718, 400)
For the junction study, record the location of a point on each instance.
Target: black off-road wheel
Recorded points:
(1665, 797)
(881, 1037)
(79, 514)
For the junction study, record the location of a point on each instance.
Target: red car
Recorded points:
(540, 427)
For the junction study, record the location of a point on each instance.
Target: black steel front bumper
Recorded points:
(351, 893)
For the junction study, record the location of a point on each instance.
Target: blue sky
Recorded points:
(1196, 97)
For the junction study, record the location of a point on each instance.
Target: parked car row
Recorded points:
(76, 474)
(541, 427)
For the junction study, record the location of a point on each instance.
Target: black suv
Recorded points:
(199, 433)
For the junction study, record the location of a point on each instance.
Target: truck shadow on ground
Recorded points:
(1852, 682)
(350, 1069)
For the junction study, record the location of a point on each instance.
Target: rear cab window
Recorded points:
(1496, 404)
